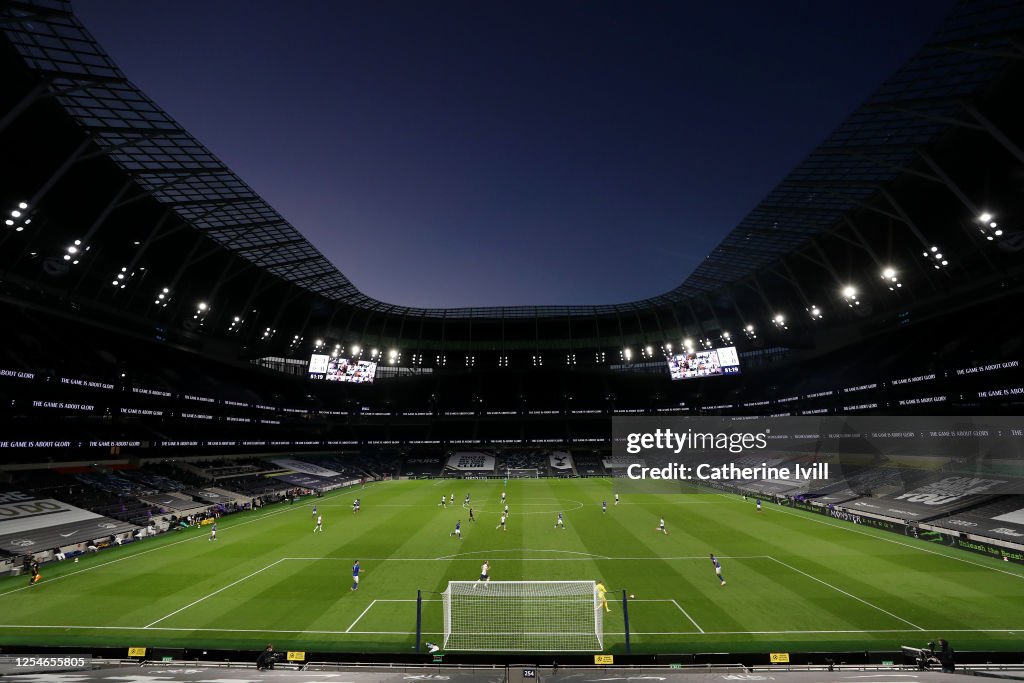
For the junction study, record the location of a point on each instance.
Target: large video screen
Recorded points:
(710, 363)
(334, 369)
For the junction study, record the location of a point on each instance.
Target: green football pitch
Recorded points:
(795, 580)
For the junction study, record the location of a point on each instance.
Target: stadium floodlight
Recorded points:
(891, 278)
(163, 297)
(22, 205)
(814, 312)
(355, 349)
(393, 353)
(16, 214)
(688, 344)
(203, 306)
(523, 616)
(939, 259)
(985, 217)
(626, 354)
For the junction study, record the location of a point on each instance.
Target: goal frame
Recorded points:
(522, 473)
(589, 594)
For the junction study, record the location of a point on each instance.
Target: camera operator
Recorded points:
(945, 656)
(266, 659)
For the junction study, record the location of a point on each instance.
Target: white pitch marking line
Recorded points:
(259, 518)
(219, 590)
(454, 558)
(846, 527)
(409, 633)
(791, 567)
(523, 550)
(349, 629)
(687, 616)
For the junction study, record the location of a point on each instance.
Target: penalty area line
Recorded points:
(409, 633)
(685, 614)
(851, 595)
(361, 615)
(219, 590)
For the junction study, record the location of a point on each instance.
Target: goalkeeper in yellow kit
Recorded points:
(602, 595)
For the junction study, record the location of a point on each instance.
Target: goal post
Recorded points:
(523, 616)
(522, 473)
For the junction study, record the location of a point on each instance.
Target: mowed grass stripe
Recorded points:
(402, 539)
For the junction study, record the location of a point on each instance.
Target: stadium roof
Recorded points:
(875, 145)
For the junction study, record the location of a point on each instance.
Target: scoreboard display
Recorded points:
(340, 369)
(708, 363)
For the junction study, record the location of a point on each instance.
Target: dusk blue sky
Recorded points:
(501, 153)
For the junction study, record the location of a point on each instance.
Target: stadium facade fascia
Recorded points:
(127, 206)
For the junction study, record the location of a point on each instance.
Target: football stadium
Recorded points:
(805, 461)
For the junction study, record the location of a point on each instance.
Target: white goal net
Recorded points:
(523, 616)
(522, 473)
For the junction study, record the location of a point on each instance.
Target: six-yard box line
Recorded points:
(450, 558)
